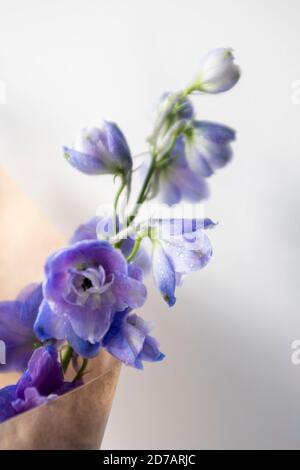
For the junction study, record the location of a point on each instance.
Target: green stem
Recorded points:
(143, 192)
(190, 89)
(145, 188)
(81, 370)
(134, 249)
(117, 198)
(66, 359)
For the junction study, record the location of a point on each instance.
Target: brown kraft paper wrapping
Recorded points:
(77, 419)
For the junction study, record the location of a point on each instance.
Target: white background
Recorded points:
(228, 380)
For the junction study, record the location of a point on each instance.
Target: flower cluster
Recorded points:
(92, 288)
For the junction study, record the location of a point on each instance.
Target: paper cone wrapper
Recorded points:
(74, 421)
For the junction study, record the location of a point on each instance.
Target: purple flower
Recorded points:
(42, 382)
(100, 151)
(175, 180)
(84, 286)
(16, 327)
(205, 148)
(128, 340)
(208, 147)
(180, 246)
(98, 227)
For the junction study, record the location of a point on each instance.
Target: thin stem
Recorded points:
(66, 359)
(142, 154)
(117, 198)
(134, 249)
(79, 374)
(153, 166)
(143, 191)
(190, 89)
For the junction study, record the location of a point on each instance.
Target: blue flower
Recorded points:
(180, 246)
(100, 151)
(218, 72)
(176, 181)
(42, 382)
(198, 152)
(84, 286)
(16, 327)
(128, 340)
(208, 147)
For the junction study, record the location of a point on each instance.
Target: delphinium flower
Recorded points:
(186, 151)
(180, 246)
(85, 285)
(217, 72)
(41, 383)
(208, 147)
(175, 180)
(16, 327)
(129, 341)
(101, 151)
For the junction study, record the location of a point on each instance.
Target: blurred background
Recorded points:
(228, 380)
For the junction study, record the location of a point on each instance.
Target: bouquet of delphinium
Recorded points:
(92, 288)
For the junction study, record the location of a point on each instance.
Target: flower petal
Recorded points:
(88, 164)
(117, 146)
(216, 133)
(218, 72)
(164, 274)
(17, 336)
(128, 291)
(91, 324)
(7, 394)
(90, 252)
(80, 346)
(49, 324)
(32, 398)
(87, 231)
(190, 255)
(150, 351)
(44, 372)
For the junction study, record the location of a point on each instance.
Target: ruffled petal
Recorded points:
(85, 253)
(128, 292)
